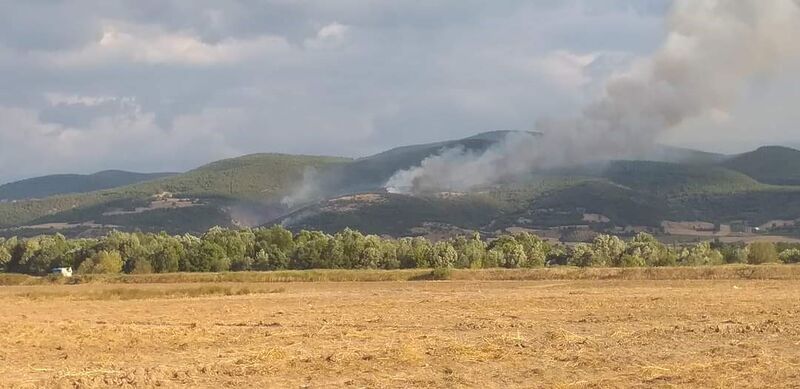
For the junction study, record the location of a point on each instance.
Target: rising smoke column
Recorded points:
(711, 50)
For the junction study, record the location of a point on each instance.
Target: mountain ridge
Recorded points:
(55, 184)
(677, 184)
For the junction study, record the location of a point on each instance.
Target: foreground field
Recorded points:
(567, 333)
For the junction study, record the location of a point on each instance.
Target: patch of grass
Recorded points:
(8, 279)
(442, 273)
(128, 293)
(724, 272)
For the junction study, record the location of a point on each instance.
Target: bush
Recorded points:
(762, 252)
(441, 273)
(735, 254)
(790, 256)
(141, 266)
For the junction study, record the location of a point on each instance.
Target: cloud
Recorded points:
(330, 35)
(185, 82)
(124, 42)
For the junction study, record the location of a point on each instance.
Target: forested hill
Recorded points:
(201, 198)
(770, 164)
(670, 185)
(45, 186)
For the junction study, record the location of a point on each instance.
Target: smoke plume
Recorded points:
(711, 50)
(308, 190)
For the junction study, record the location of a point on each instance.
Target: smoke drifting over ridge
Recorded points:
(711, 50)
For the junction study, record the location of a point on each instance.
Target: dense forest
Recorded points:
(276, 248)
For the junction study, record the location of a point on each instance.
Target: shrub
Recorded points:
(735, 254)
(790, 256)
(141, 266)
(441, 273)
(762, 252)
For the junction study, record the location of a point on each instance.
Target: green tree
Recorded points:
(471, 251)
(494, 258)
(126, 244)
(141, 266)
(190, 245)
(405, 253)
(103, 262)
(700, 254)
(208, 257)
(790, 256)
(645, 250)
(386, 251)
(608, 251)
(276, 236)
(536, 249)
(734, 253)
(309, 249)
(582, 255)
(512, 252)
(5, 258)
(237, 244)
(444, 255)
(414, 253)
(167, 255)
(271, 258)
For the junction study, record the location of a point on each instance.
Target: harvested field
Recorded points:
(465, 333)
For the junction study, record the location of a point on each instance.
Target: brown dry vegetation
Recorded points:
(760, 272)
(562, 333)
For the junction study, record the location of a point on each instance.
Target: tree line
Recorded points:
(276, 248)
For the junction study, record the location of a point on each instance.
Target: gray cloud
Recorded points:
(203, 79)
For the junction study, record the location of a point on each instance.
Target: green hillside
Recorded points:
(639, 193)
(684, 185)
(371, 173)
(257, 177)
(45, 186)
(672, 179)
(395, 214)
(771, 165)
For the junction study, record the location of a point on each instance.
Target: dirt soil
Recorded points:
(570, 334)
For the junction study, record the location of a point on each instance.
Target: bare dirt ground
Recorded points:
(571, 334)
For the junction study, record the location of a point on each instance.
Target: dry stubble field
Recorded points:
(623, 333)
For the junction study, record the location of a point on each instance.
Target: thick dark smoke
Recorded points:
(712, 49)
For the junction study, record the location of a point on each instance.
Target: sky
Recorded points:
(167, 85)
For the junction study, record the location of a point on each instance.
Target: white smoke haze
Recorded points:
(308, 190)
(458, 169)
(712, 49)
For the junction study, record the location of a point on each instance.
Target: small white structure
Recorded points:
(62, 271)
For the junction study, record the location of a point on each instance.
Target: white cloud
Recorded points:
(122, 41)
(181, 83)
(329, 36)
(132, 141)
(56, 98)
